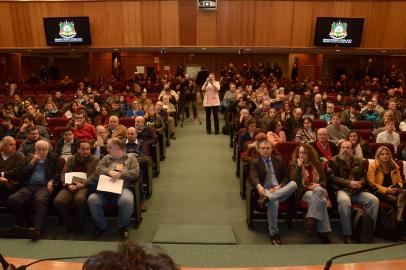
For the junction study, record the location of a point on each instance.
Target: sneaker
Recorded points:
(347, 239)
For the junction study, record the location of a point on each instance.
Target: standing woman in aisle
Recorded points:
(211, 102)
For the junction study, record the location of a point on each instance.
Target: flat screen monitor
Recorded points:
(345, 32)
(67, 31)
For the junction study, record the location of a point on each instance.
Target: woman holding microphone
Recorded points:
(211, 102)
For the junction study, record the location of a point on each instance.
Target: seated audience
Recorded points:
(116, 130)
(329, 113)
(147, 134)
(103, 117)
(118, 165)
(359, 146)
(312, 183)
(370, 114)
(39, 175)
(348, 181)
(39, 118)
(251, 153)
(275, 133)
(348, 116)
(285, 113)
(116, 109)
(11, 166)
(249, 134)
(67, 145)
(136, 110)
(27, 121)
(389, 135)
(71, 201)
(268, 174)
(7, 128)
(83, 130)
(100, 145)
(336, 131)
(152, 119)
(319, 105)
(293, 124)
(27, 147)
(323, 147)
(306, 134)
(51, 110)
(384, 175)
(308, 111)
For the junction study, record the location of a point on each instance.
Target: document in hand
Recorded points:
(69, 176)
(107, 185)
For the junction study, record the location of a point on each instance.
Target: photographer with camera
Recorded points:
(211, 102)
(187, 97)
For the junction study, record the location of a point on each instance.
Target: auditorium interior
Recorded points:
(238, 134)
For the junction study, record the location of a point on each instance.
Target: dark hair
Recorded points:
(308, 119)
(273, 123)
(249, 121)
(105, 260)
(84, 141)
(32, 129)
(67, 129)
(5, 118)
(27, 116)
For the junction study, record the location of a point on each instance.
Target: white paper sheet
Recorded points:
(105, 184)
(69, 176)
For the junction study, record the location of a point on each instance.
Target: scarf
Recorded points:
(309, 175)
(325, 153)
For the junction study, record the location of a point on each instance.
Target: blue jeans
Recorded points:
(275, 198)
(123, 201)
(366, 199)
(317, 208)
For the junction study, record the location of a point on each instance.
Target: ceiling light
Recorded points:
(383, 51)
(338, 50)
(248, 49)
(203, 49)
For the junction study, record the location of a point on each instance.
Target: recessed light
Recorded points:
(383, 51)
(115, 49)
(29, 50)
(203, 49)
(338, 50)
(248, 49)
(72, 50)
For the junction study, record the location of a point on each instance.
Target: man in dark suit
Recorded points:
(147, 134)
(293, 124)
(40, 173)
(11, 165)
(351, 114)
(268, 174)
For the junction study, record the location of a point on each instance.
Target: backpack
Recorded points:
(362, 225)
(387, 225)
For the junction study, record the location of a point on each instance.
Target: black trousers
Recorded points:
(215, 110)
(17, 205)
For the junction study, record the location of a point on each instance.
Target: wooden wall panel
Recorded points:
(187, 23)
(173, 23)
(151, 23)
(132, 24)
(169, 23)
(206, 28)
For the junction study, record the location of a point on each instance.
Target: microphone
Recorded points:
(330, 261)
(6, 265)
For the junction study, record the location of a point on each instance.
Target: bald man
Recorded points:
(11, 165)
(40, 173)
(116, 130)
(324, 148)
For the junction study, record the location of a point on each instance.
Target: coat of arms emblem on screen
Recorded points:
(338, 30)
(67, 29)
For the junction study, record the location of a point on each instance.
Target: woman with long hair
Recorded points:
(286, 112)
(306, 134)
(311, 183)
(384, 175)
(359, 146)
(103, 117)
(275, 133)
(73, 108)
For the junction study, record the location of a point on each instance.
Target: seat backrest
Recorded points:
(365, 134)
(402, 135)
(362, 124)
(374, 146)
(127, 121)
(57, 122)
(317, 123)
(286, 150)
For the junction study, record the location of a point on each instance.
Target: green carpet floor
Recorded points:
(197, 186)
